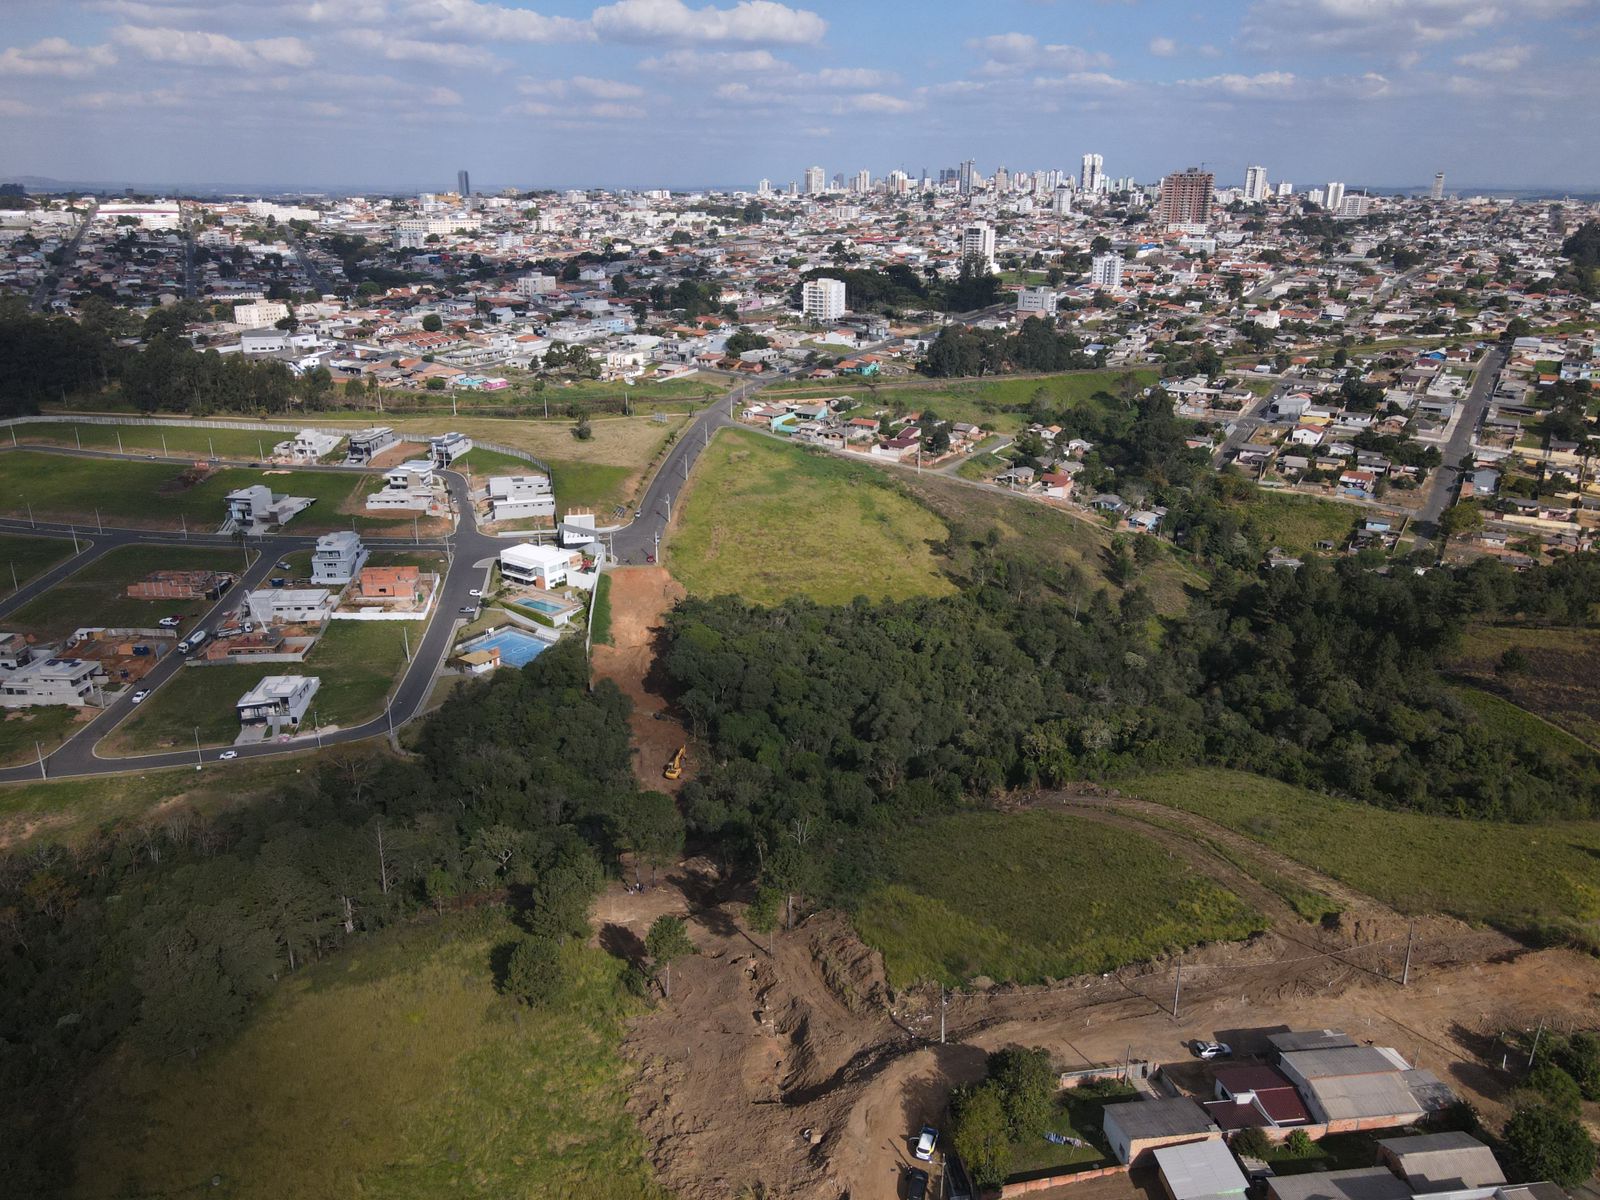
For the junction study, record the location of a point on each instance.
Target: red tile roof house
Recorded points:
(1256, 1097)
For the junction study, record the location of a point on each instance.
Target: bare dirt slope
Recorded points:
(783, 1062)
(640, 600)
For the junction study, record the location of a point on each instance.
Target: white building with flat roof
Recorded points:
(544, 567)
(289, 606)
(445, 448)
(367, 444)
(309, 445)
(338, 558)
(512, 497)
(70, 681)
(823, 299)
(408, 486)
(260, 314)
(257, 507)
(1108, 272)
(1037, 302)
(277, 703)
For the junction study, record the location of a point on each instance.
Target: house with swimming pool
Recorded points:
(544, 567)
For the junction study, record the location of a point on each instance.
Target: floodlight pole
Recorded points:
(1177, 988)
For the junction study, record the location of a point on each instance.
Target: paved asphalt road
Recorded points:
(1442, 486)
(470, 549)
(47, 285)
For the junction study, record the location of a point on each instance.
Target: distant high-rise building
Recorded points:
(823, 299)
(1063, 200)
(1108, 272)
(463, 185)
(1438, 186)
(1357, 205)
(1093, 177)
(1002, 179)
(978, 242)
(1285, 189)
(838, 181)
(1186, 197)
(1333, 196)
(764, 188)
(816, 181)
(862, 181)
(964, 176)
(1255, 184)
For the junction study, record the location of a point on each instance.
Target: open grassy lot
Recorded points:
(197, 440)
(69, 810)
(1515, 876)
(592, 485)
(768, 521)
(600, 629)
(479, 461)
(357, 662)
(23, 558)
(1559, 679)
(23, 731)
(154, 495)
(97, 594)
(1030, 896)
(1079, 1113)
(1052, 540)
(393, 1072)
(1298, 523)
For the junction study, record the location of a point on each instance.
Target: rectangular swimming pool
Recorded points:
(517, 649)
(548, 607)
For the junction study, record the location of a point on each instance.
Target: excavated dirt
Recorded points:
(640, 599)
(783, 1066)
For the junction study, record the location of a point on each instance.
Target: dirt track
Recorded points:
(796, 1070)
(640, 600)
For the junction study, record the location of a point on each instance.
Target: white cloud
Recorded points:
(1496, 58)
(1268, 83)
(1379, 26)
(1163, 47)
(473, 21)
(1009, 53)
(606, 89)
(195, 48)
(402, 49)
(604, 111)
(850, 77)
(715, 62)
(55, 56)
(114, 101)
(16, 108)
(1082, 81)
(748, 22)
(444, 96)
(878, 102)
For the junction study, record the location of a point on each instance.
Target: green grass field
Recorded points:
(768, 521)
(197, 440)
(1034, 896)
(357, 662)
(23, 731)
(599, 486)
(392, 1072)
(600, 627)
(1515, 876)
(1298, 523)
(1079, 1113)
(1561, 680)
(151, 494)
(24, 558)
(97, 594)
(479, 461)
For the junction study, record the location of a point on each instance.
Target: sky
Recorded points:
(392, 94)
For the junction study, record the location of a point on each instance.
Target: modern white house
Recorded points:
(578, 530)
(338, 558)
(515, 496)
(407, 487)
(367, 444)
(309, 445)
(277, 703)
(257, 507)
(289, 606)
(445, 448)
(539, 566)
(70, 681)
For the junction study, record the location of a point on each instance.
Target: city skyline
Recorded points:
(660, 93)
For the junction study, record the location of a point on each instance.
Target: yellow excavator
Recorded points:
(675, 767)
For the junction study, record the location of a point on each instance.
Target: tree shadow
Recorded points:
(621, 942)
(500, 963)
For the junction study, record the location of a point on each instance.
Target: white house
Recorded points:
(367, 444)
(514, 496)
(277, 702)
(408, 486)
(445, 448)
(69, 681)
(309, 445)
(290, 606)
(539, 566)
(338, 558)
(256, 507)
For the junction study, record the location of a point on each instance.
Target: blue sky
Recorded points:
(370, 93)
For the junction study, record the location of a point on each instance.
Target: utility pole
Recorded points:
(1532, 1054)
(15, 586)
(1177, 987)
(197, 759)
(944, 1003)
(669, 510)
(404, 633)
(163, 445)
(99, 528)
(40, 749)
(1405, 973)
(77, 432)
(31, 522)
(686, 468)
(212, 446)
(184, 522)
(119, 441)
(74, 530)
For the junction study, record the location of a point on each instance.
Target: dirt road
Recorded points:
(640, 600)
(784, 1061)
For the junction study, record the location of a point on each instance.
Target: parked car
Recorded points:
(170, 622)
(916, 1183)
(277, 581)
(1209, 1050)
(138, 697)
(226, 755)
(926, 1141)
(468, 610)
(283, 564)
(475, 593)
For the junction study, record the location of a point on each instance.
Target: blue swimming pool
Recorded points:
(517, 649)
(548, 607)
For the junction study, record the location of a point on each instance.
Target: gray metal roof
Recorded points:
(1160, 1118)
(1200, 1170)
(1366, 1183)
(1359, 1097)
(1434, 1162)
(1309, 1039)
(1336, 1063)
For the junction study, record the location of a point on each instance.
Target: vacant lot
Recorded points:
(97, 594)
(1298, 523)
(24, 558)
(768, 521)
(24, 732)
(197, 440)
(1034, 896)
(1558, 679)
(1515, 876)
(393, 1071)
(357, 662)
(160, 495)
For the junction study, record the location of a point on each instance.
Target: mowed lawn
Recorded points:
(357, 662)
(154, 494)
(97, 595)
(1514, 876)
(1033, 896)
(393, 1072)
(767, 521)
(198, 440)
(23, 558)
